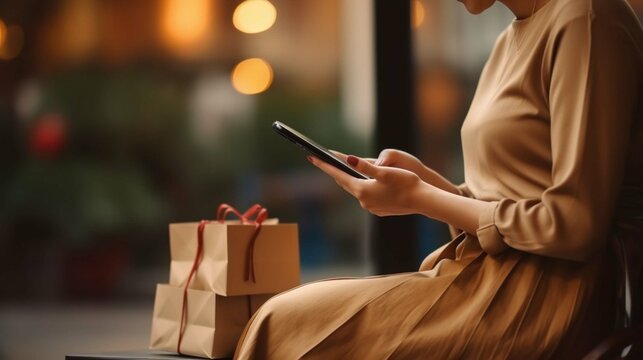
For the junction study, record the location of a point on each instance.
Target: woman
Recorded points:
(553, 161)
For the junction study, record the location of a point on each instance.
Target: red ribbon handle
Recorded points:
(257, 211)
(224, 210)
(195, 266)
(260, 214)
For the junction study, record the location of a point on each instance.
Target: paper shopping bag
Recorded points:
(232, 262)
(212, 324)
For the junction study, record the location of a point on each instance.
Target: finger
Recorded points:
(343, 156)
(385, 158)
(339, 154)
(365, 167)
(340, 177)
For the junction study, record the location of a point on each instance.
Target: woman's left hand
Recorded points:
(390, 191)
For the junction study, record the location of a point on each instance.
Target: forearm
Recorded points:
(451, 208)
(434, 178)
(397, 191)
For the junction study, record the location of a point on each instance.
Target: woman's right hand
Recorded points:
(403, 160)
(400, 159)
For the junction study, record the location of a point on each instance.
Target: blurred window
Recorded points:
(123, 116)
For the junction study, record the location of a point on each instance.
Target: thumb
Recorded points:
(363, 166)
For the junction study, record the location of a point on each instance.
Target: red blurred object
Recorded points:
(95, 272)
(48, 136)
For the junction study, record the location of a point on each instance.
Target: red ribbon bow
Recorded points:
(260, 214)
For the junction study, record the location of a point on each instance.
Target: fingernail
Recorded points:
(310, 158)
(352, 160)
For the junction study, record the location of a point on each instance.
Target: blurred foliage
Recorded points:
(79, 199)
(129, 162)
(124, 133)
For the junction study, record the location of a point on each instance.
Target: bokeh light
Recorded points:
(3, 32)
(13, 40)
(417, 13)
(48, 135)
(184, 24)
(254, 16)
(79, 27)
(252, 76)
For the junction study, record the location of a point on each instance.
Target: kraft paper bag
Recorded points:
(225, 265)
(213, 323)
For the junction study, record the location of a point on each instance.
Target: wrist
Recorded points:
(425, 195)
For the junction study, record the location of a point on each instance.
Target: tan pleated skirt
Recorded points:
(462, 304)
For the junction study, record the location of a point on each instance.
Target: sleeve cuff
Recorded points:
(488, 235)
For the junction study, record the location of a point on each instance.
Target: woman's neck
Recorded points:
(524, 8)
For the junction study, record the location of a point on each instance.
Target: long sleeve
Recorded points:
(593, 85)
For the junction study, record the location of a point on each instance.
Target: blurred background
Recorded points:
(119, 117)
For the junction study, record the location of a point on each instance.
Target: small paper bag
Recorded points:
(229, 256)
(213, 323)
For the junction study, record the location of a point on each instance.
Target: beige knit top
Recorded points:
(555, 128)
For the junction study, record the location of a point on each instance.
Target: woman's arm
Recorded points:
(396, 191)
(403, 160)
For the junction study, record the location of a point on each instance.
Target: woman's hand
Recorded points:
(403, 160)
(390, 191)
(400, 159)
(396, 191)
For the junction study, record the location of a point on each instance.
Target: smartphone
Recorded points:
(315, 149)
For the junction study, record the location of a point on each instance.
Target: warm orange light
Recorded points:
(3, 32)
(12, 43)
(184, 23)
(254, 16)
(252, 76)
(79, 28)
(417, 13)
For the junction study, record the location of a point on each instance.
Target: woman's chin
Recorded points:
(476, 7)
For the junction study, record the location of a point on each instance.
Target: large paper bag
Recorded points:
(213, 323)
(231, 258)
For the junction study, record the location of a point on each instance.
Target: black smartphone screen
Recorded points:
(315, 149)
